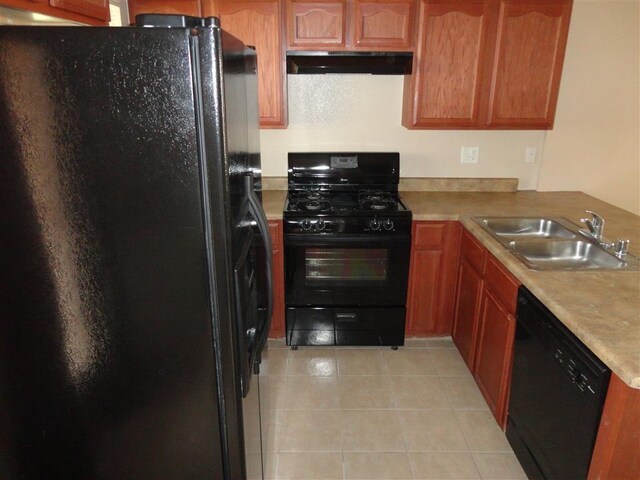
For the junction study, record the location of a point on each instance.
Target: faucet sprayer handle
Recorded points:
(621, 247)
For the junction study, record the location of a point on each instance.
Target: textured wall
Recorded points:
(362, 112)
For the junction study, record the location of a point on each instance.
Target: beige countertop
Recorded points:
(273, 203)
(602, 308)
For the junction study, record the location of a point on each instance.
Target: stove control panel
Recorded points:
(341, 225)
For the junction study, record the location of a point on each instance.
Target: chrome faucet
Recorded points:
(595, 224)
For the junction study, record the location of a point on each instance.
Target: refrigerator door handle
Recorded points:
(258, 214)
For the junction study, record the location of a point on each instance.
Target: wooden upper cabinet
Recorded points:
(487, 64)
(383, 24)
(91, 8)
(89, 12)
(446, 86)
(174, 7)
(529, 55)
(257, 23)
(316, 25)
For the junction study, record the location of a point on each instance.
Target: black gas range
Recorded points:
(347, 238)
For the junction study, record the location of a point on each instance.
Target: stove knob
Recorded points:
(320, 225)
(374, 224)
(306, 225)
(387, 224)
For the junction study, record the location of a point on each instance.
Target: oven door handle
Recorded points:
(333, 240)
(255, 208)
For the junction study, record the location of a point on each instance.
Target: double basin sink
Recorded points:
(552, 244)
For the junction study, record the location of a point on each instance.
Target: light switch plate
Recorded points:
(469, 154)
(530, 154)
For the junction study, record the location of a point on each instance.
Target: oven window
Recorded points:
(347, 264)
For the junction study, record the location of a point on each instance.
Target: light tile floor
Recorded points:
(374, 413)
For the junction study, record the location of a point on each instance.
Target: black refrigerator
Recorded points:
(135, 291)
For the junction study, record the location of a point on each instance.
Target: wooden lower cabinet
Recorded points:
(432, 274)
(617, 451)
(277, 268)
(484, 326)
(494, 350)
(465, 326)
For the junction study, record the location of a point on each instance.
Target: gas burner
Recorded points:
(375, 196)
(314, 196)
(316, 206)
(378, 206)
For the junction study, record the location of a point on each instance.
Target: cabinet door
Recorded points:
(465, 326)
(91, 8)
(449, 67)
(493, 353)
(258, 24)
(530, 46)
(383, 24)
(277, 320)
(432, 276)
(174, 7)
(316, 25)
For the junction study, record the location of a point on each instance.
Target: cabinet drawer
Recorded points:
(473, 252)
(429, 235)
(502, 283)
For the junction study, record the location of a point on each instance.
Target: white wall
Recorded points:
(595, 145)
(363, 112)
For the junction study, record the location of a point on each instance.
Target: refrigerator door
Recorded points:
(108, 322)
(225, 67)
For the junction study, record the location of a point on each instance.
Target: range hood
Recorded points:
(376, 63)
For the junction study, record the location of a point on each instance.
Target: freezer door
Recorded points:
(107, 365)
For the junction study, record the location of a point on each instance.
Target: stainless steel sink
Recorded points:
(564, 255)
(526, 227)
(544, 243)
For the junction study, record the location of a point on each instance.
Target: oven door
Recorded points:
(341, 270)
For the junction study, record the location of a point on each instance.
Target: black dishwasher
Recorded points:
(557, 392)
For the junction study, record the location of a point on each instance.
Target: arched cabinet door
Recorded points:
(450, 65)
(257, 23)
(383, 24)
(530, 47)
(316, 25)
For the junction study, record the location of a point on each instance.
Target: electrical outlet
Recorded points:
(530, 154)
(469, 154)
